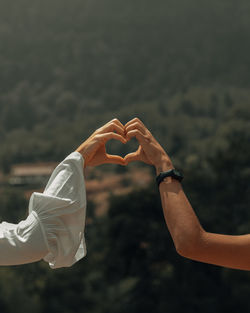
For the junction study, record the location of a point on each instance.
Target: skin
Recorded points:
(93, 149)
(94, 153)
(190, 239)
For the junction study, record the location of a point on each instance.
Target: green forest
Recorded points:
(183, 68)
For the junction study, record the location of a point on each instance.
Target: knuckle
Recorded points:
(147, 137)
(97, 137)
(116, 127)
(110, 127)
(113, 125)
(98, 130)
(137, 124)
(137, 120)
(137, 132)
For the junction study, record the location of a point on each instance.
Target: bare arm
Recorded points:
(190, 239)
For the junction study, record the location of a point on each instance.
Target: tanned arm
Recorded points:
(190, 239)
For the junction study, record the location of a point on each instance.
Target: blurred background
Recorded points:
(183, 67)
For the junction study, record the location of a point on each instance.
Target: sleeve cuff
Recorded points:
(61, 212)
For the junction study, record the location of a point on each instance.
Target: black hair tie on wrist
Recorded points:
(171, 173)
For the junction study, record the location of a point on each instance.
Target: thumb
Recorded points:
(134, 156)
(114, 159)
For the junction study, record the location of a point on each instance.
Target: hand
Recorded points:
(149, 151)
(93, 149)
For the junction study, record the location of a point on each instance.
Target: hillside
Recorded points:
(66, 68)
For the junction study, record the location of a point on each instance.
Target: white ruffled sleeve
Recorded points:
(61, 212)
(54, 229)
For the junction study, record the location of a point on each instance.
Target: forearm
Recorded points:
(189, 237)
(54, 229)
(21, 243)
(61, 210)
(191, 241)
(180, 217)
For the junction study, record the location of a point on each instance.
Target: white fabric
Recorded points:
(54, 229)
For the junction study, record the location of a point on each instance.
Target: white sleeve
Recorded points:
(54, 229)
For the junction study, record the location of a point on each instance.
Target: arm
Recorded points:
(54, 229)
(21, 243)
(190, 239)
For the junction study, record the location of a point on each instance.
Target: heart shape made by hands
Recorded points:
(115, 147)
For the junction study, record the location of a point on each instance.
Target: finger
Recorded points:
(114, 125)
(114, 159)
(134, 156)
(116, 121)
(134, 126)
(108, 136)
(143, 139)
(115, 128)
(134, 120)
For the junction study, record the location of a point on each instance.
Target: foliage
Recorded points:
(132, 263)
(66, 68)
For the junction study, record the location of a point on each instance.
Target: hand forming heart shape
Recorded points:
(94, 151)
(115, 147)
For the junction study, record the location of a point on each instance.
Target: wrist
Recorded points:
(163, 165)
(84, 156)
